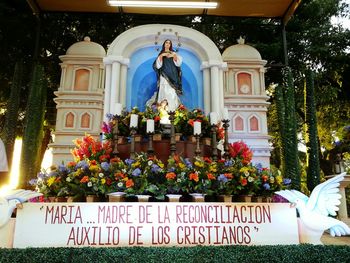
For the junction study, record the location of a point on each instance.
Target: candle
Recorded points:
(225, 114)
(150, 126)
(133, 120)
(118, 109)
(197, 128)
(213, 118)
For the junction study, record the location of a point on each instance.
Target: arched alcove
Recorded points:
(69, 120)
(81, 79)
(130, 78)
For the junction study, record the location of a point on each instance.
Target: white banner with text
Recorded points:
(154, 224)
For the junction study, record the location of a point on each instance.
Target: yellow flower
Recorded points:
(245, 171)
(135, 164)
(272, 180)
(198, 164)
(51, 180)
(279, 179)
(181, 165)
(212, 168)
(103, 181)
(94, 168)
(161, 165)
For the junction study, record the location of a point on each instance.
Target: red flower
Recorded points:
(244, 181)
(108, 181)
(156, 118)
(191, 122)
(208, 160)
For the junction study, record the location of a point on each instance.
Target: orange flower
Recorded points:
(211, 176)
(129, 183)
(176, 158)
(93, 162)
(170, 176)
(71, 164)
(114, 160)
(119, 175)
(85, 179)
(264, 178)
(244, 181)
(194, 177)
(228, 175)
(191, 122)
(182, 107)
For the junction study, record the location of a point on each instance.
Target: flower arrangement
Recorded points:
(143, 175)
(240, 152)
(93, 171)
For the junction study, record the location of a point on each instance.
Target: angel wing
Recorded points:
(325, 197)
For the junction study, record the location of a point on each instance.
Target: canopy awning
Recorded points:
(282, 9)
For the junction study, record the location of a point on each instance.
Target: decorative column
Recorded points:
(122, 87)
(114, 85)
(214, 88)
(206, 86)
(106, 106)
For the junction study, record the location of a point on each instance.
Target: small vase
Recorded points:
(178, 137)
(92, 199)
(51, 199)
(225, 198)
(257, 199)
(61, 199)
(197, 197)
(116, 197)
(70, 199)
(157, 137)
(174, 197)
(121, 140)
(267, 199)
(244, 198)
(143, 198)
(206, 141)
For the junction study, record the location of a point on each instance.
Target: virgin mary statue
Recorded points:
(169, 84)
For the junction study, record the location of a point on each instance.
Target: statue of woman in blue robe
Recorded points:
(167, 66)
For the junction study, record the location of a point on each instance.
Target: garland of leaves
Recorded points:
(311, 138)
(12, 111)
(33, 132)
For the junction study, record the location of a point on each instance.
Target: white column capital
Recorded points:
(121, 60)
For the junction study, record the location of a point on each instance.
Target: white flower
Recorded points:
(250, 179)
(246, 173)
(101, 175)
(89, 184)
(150, 162)
(68, 179)
(120, 184)
(178, 180)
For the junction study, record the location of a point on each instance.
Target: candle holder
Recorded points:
(197, 152)
(115, 132)
(172, 133)
(214, 143)
(226, 148)
(132, 143)
(150, 149)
